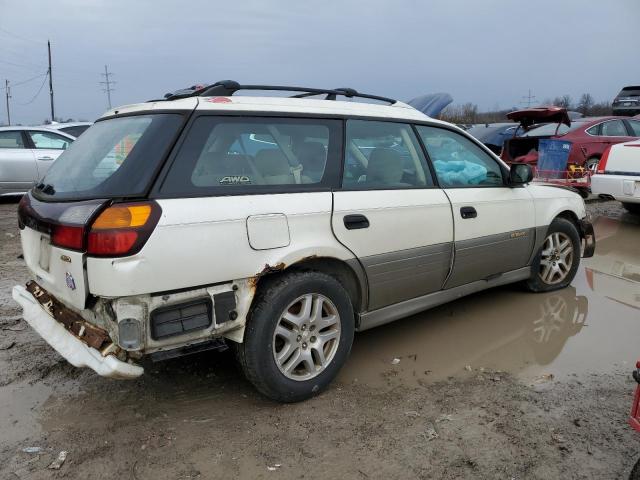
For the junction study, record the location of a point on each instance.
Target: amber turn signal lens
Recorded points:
(123, 216)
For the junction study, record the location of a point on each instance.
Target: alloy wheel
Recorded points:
(556, 259)
(306, 337)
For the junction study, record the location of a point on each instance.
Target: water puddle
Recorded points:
(591, 327)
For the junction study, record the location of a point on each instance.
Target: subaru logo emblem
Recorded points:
(71, 283)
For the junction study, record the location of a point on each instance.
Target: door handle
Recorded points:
(45, 158)
(354, 222)
(468, 212)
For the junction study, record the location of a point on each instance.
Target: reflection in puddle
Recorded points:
(589, 327)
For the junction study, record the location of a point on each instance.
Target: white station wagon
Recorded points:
(276, 226)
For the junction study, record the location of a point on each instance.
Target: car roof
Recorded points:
(296, 106)
(37, 129)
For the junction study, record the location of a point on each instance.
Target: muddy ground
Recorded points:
(502, 384)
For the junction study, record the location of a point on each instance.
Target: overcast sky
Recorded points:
(487, 52)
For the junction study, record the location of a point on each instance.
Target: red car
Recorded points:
(634, 420)
(590, 137)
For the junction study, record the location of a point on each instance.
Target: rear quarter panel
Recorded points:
(200, 241)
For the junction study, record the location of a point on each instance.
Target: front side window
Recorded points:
(11, 139)
(383, 155)
(49, 140)
(227, 154)
(614, 128)
(458, 161)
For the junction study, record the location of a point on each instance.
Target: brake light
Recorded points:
(602, 165)
(67, 236)
(122, 229)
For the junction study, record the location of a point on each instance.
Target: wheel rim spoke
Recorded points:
(306, 337)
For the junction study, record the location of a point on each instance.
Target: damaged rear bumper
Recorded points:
(81, 345)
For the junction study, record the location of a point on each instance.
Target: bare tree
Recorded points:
(585, 104)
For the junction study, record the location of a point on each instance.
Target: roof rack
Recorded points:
(226, 88)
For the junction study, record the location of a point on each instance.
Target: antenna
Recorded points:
(107, 84)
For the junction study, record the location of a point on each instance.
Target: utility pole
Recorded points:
(528, 99)
(53, 116)
(107, 84)
(8, 94)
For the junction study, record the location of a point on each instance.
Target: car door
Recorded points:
(17, 163)
(46, 147)
(390, 214)
(614, 131)
(493, 223)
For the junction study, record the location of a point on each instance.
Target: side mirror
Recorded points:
(520, 173)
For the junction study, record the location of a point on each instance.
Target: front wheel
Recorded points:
(557, 261)
(298, 335)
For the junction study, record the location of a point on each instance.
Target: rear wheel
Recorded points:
(556, 263)
(298, 336)
(592, 164)
(632, 207)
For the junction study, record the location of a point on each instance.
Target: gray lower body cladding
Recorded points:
(398, 276)
(481, 258)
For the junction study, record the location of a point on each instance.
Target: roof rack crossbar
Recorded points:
(226, 88)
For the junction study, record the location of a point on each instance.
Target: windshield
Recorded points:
(629, 92)
(113, 158)
(549, 130)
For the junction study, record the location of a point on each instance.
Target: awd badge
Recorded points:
(71, 283)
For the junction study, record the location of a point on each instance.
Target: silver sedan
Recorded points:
(26, 154)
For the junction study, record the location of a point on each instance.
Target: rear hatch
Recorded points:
(536, 123)
(86, 203)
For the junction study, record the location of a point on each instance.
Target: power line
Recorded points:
(22, 82)
(19, 37)
(44, 80)
(107, 84)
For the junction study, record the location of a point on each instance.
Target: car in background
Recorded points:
(493, 135)
(589, 136)
(75, 129)
(627, 102)
(26, 154)
(618, 175)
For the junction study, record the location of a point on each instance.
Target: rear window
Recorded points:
(115, 158)
(225, 155)
(630, 92)
(76, 130)
(549, 129)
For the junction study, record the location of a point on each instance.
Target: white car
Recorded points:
(279, 226)
(26, 153)
(618, 175)
(75, 129)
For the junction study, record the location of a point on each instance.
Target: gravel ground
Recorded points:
(196, 417)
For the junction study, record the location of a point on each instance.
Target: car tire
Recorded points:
(635, 472)
(304, 317)
(632, 207)
(556, 262)
(591, 164)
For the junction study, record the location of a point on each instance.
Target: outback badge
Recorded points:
(71, 283)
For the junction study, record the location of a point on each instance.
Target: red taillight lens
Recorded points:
(111, 242)
(602, 165)
(66, 236)
(122, 229)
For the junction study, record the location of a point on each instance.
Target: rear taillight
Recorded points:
(67, 236)
(602, 165)
(122, 229)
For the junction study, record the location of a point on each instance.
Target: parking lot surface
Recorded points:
(502, 384)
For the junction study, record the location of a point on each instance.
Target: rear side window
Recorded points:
(117, 157)
(635, 127)
(383, 155)
(49, 140)
(11, 140)
(226, 155)
(458, 161)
